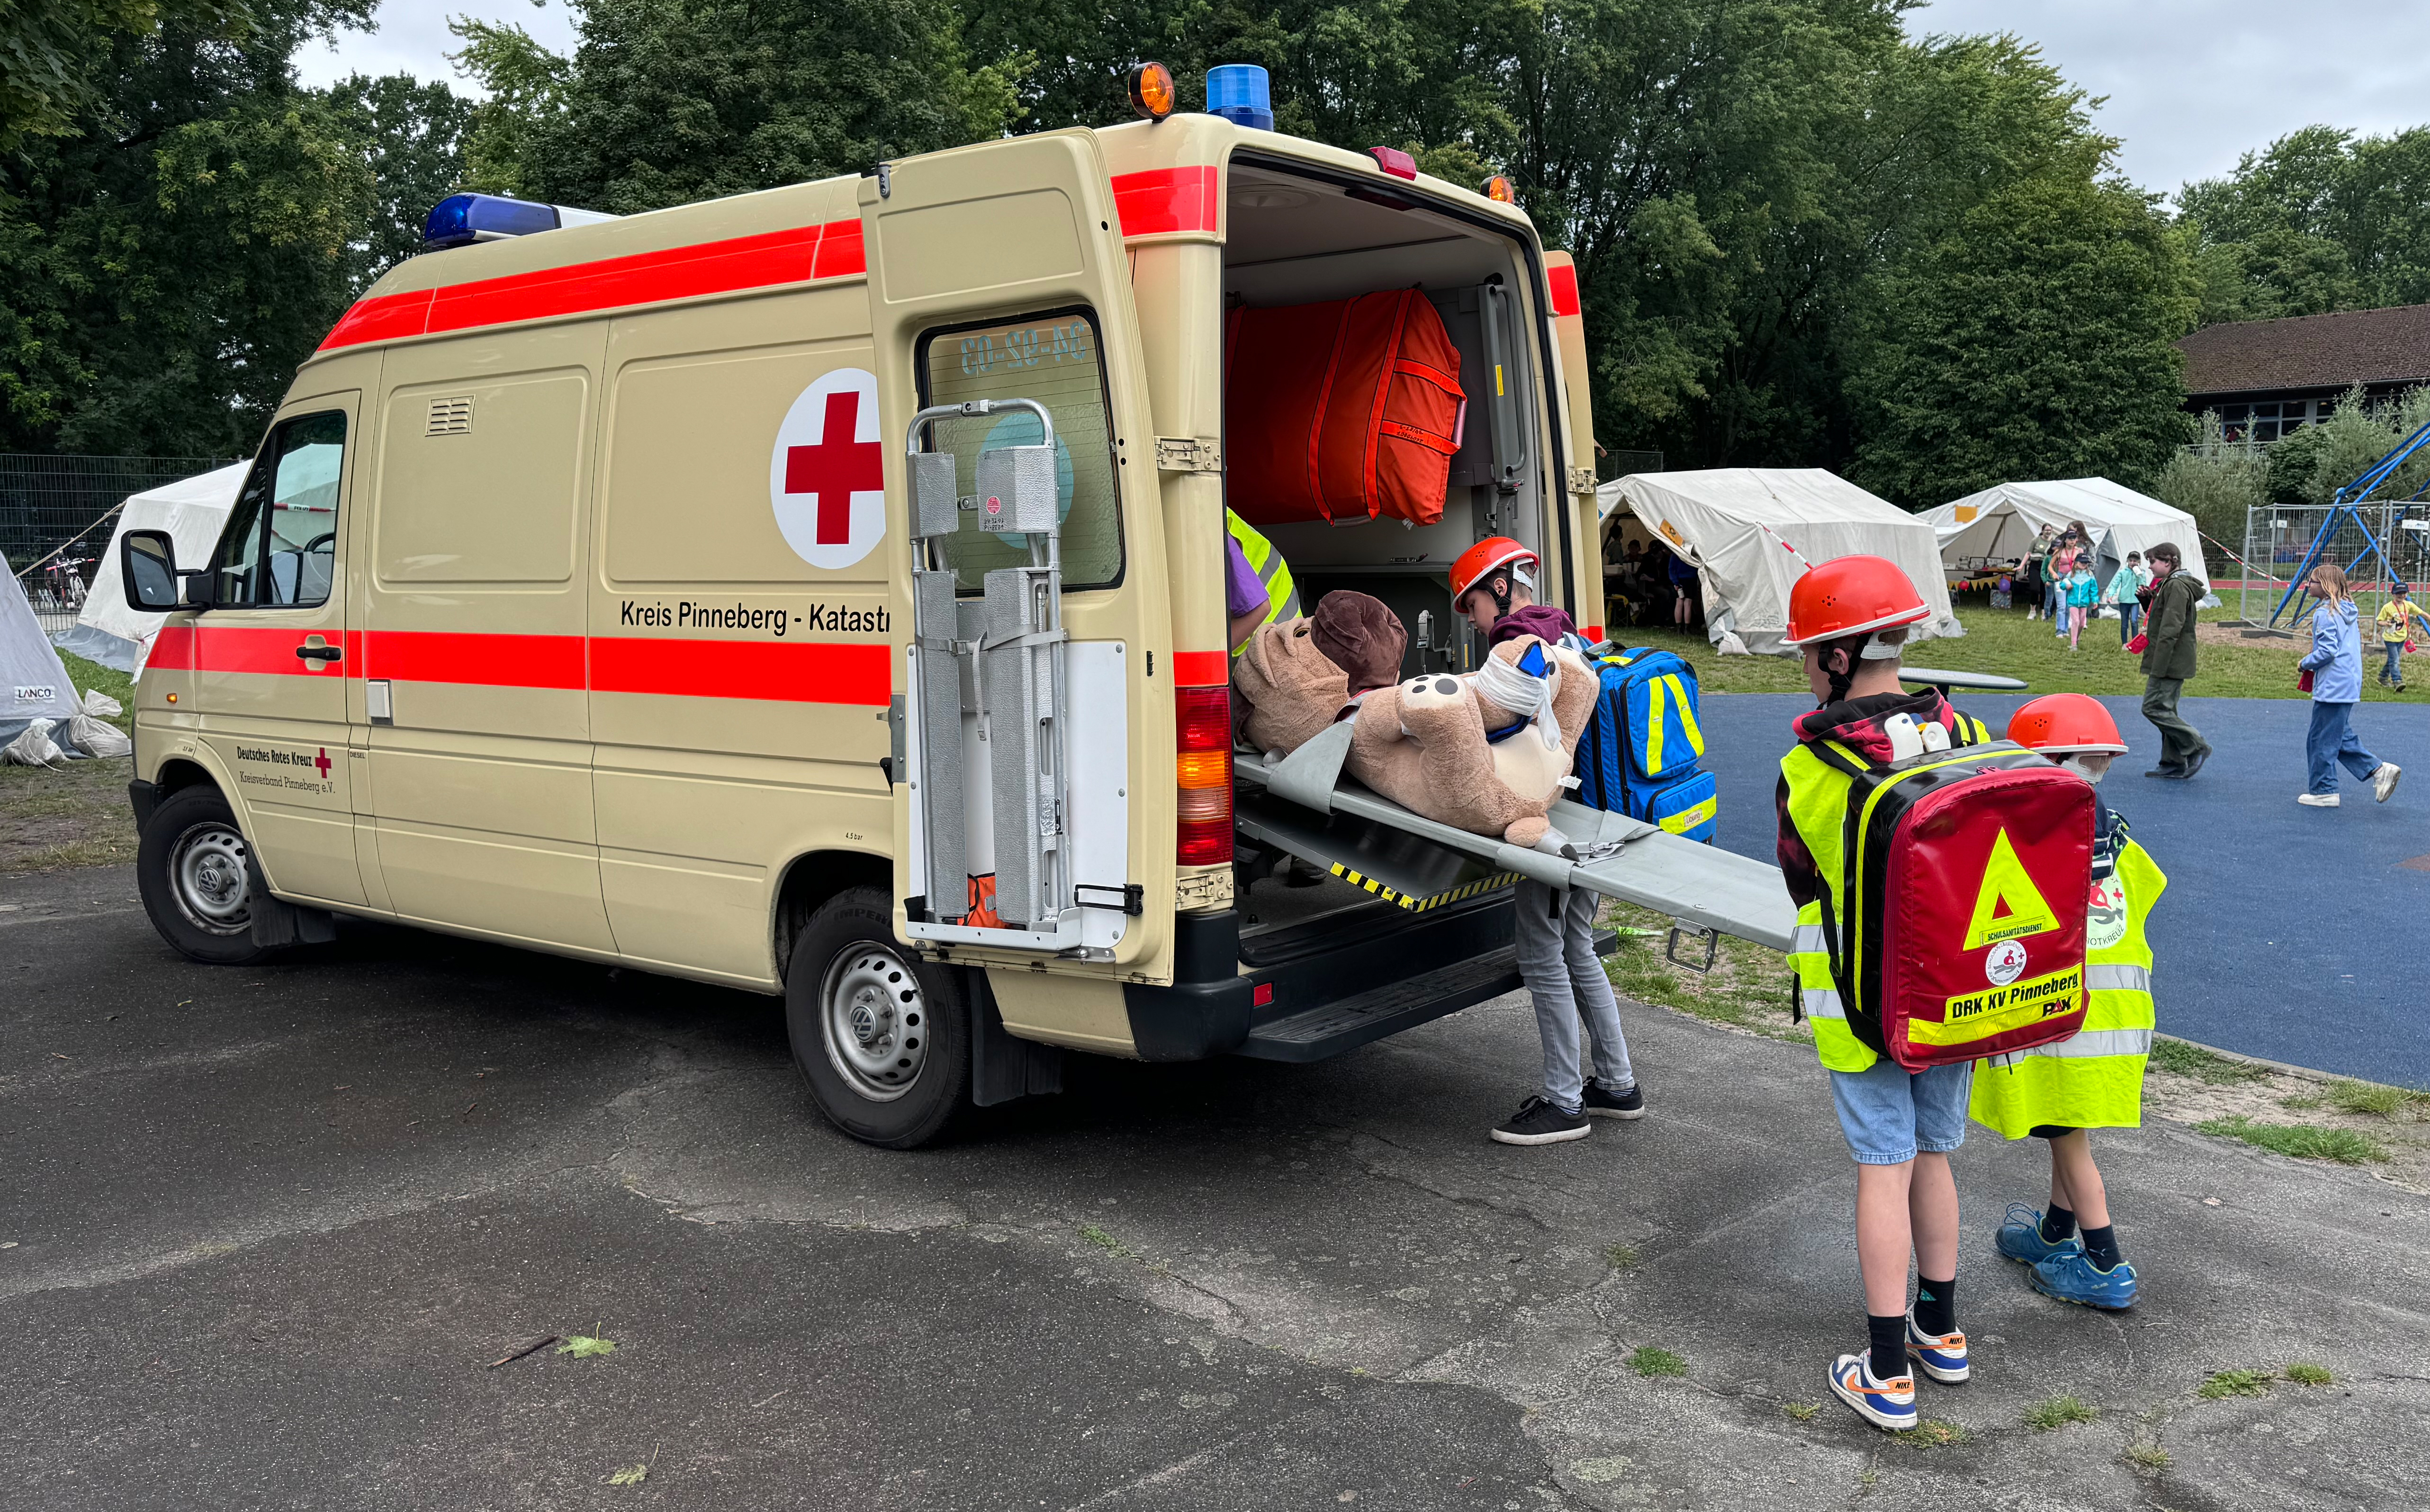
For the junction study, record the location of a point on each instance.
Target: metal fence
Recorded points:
(2278, 538)
(55, 516)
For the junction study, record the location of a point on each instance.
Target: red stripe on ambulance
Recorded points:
(799, 255)
(1201, 669)
(1564, 279)
(1164, 200)
(811, 672)
(472, 658)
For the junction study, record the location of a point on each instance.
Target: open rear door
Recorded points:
(1010, 384)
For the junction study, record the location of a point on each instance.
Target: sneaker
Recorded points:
(2383, 782)
(1942, 1355)
(1602, 1103)
(1539, 1121)
(2072, 1276)
(1884, 1403)
(2020, 1237)
(2316, 800)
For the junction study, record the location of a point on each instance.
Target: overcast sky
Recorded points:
(2191, 83)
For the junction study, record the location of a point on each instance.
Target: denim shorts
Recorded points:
(1888, 1113)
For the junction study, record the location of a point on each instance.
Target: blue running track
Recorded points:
(2289, 933)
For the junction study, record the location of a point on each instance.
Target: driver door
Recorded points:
(269, 655)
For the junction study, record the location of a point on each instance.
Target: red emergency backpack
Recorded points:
(1968, 873)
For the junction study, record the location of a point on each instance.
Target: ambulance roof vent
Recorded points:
(450, 417)
(462, 219)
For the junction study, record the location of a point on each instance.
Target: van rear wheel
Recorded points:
(882, 1036)
(193, 867)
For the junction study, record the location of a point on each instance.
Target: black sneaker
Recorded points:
(1539, 1122)
(1602, 1103)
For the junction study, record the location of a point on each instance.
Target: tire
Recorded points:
(882, 1036)
(193, 867)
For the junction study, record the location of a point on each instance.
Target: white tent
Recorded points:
(33, 685)
(2000, 523)
(191, 510)
(1752, 530)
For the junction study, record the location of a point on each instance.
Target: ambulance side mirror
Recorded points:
(149, 564)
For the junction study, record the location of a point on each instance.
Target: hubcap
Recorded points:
(206, 875)
(875, 1020)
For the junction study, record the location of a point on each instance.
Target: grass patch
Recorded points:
(2371, 1098)
(2201, 1065)
(1747, 989)
(1104, 1241)
(2226, 1384)
(76, 814)
(1651, 1360)
(2303, 1373)
(2006, 642)
(1932, 1432)
(1621, 1257)
(1800, 1411)
(2148, 1460)
(2304, 1142)
(2057, 1412)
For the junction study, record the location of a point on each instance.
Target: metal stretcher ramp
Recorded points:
(1699, 885)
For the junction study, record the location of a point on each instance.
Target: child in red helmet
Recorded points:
(1492, 585)
(2094, 1080)
(1850, 616)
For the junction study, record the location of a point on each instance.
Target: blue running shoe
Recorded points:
(1942, 1355)
(2020, 1237)
(2070, 1276)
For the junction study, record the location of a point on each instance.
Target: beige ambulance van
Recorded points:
(821, 593)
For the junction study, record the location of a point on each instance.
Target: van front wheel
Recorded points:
(882, 1036)
(193, 868)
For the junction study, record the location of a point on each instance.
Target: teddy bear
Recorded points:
(1484, 753)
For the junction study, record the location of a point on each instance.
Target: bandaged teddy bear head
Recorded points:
(1486, 753)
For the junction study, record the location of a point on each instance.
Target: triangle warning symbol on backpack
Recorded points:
(2008, 905)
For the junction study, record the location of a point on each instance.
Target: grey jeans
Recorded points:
(1564, 976)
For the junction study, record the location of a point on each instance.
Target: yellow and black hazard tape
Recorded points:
(1415, 904)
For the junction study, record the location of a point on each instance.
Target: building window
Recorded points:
(2271, 419)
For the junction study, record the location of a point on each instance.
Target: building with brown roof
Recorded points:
(2269, 377)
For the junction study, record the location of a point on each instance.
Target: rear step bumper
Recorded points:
(1330, 986)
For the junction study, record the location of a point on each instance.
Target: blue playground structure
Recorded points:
(2344, 509)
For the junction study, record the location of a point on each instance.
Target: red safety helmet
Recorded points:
(1849, 596)
(1483, 560)
(2063, 724)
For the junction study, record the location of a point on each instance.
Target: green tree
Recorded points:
(411, 138)
(2036, 342)
(53, 54)
(669, 101)
(2321, 219)
(2215, 480)
(2354, 437)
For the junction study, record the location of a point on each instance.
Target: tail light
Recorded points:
(1202, 771)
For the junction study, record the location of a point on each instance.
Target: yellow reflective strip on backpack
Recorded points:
(1654, 728)
(1686, 713)
(1688, 818)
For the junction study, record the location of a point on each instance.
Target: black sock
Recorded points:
(2101, 1247)
(1889, 1346)
(2058, 1224)
(1935, 1306)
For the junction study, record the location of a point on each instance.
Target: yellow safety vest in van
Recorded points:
(1282, 598)
(1818, 805)
(2095, 1079)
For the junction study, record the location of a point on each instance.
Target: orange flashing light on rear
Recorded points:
(1498, 189)
(1150, 87)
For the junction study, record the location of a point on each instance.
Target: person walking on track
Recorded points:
(2334, 669)
(2169, 659)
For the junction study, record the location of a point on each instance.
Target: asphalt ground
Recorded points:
(2293, 934)
(263, 1230)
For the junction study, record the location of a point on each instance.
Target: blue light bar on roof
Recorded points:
(1240, 93)
(461, 218)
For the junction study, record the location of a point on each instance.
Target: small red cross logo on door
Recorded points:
(323, 762)
(826, 477)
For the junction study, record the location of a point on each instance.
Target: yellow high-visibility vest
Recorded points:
(1818, 807)
(2093, 1080)
(1282, 596)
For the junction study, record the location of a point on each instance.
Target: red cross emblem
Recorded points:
(826, 472)
(323, 762)
(836, 468)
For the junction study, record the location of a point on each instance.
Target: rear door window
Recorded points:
(1054, 359)
(281, 538)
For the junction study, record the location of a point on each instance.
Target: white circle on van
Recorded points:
(826, 477)
(2005, 963)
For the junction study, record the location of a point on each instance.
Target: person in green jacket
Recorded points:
(2094, 1079)
(2169, 661)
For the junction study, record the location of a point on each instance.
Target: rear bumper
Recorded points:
(1221, 996)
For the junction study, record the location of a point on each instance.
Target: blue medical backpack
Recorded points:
(1639, 754)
